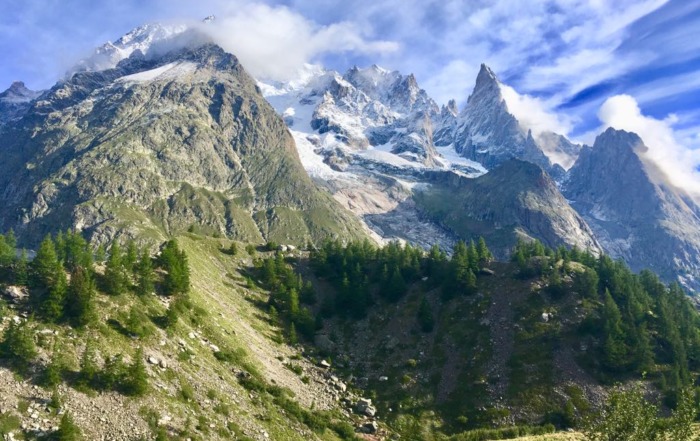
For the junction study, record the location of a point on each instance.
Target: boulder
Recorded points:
(16, 294)
(364, 407)
(369, 428)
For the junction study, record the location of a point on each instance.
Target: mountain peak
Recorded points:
(18, 93)
(486, 78)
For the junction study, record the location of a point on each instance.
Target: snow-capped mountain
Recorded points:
(486, 132)
(367, 112)
(377, 142)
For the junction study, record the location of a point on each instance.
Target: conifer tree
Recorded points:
(614, 349)
(45, 265)
(18, 344)
(80, 306)
(53, 306)
(87, 376)
(131, 257)
(7, 252)
(21, 276)
(100, 254)
(137, 377)
(483, 252)
(115, 276)
(67, 429)
(145, 277)
(174, 261)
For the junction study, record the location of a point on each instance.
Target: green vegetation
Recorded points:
(629, 416)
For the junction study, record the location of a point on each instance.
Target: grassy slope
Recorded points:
(225, 314)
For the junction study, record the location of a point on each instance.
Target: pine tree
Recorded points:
(22, 269)
(53, 306)
(115, 276)
(80, 306)
(145, 276)
(51, 376)
(100, 254)
(131, 257)
(18, 344)
(67, 429)
(293, 303)
(293, 339)
(7, 252)
(87, 376)
(174, 261)
(45, 265)
(137, 378)
(614, 349)
(485, 256)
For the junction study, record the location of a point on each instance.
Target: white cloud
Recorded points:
(535, 114)
(677, 162)
(275, 42)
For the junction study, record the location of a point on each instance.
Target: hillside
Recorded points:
(222, 371)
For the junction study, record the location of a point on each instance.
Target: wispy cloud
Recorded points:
(274, 42)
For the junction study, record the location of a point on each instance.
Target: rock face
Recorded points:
(15, 101)
(635, 213)
(158, 145)
(486, 132)
(364, 108)
(515, 200)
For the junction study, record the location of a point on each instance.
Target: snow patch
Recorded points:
(168, 71)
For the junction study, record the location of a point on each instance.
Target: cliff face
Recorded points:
(634, 213)
(514, 200)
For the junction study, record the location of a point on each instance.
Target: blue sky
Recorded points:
(565, 58)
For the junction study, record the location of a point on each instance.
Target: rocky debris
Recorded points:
(324, 364)
(364, 407)
(369, 427)
(16, 294)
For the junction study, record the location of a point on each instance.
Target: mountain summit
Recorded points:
(636, 215)
(157, 145)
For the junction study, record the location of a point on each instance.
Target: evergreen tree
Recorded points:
(115, 275)
(470, 283)
(485, 256)
(137, 378)
(51, 376)
(100, 254)
(614, 350)
(45, 265)
(80, 306)
(425, 316)
(586, 283)
(67, 429)
(87, 376)
(131, 257)
(21, 276)
(7, 252)
(174, 261)
(293, 339)
(18, 344)
(53, 306)
(145, 276)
